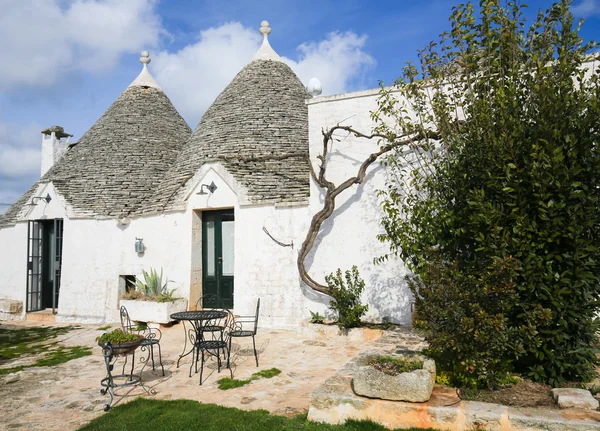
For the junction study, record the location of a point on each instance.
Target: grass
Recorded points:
(160, 415)
(392, 365)
(228, 383)
(104, 328)
(15, 343)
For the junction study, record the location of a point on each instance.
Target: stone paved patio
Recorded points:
(67, 396)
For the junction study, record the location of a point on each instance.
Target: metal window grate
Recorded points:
(34, 266)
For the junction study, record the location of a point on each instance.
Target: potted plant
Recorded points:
(395, 376)
(150, 301)
(121, 343)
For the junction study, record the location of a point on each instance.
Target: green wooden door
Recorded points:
(218, 254)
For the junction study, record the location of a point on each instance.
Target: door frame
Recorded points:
(221, 280)
(38, 266)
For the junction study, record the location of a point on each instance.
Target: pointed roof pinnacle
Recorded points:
(266, 52)
(144, 79)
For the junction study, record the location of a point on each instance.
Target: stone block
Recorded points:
(415, 386)
(11, 306)
(572, 398)
(154, 313)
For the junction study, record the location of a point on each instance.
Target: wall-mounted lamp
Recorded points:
(139, 245)
(36, 199)
(211, 188)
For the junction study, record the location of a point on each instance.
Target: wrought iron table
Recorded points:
(203, 322)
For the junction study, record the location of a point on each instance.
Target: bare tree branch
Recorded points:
(331, 191)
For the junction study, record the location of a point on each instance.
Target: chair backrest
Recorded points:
(126, 325)
(210, 300)
(256, 316)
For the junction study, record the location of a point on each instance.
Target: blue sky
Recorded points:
(64, 62)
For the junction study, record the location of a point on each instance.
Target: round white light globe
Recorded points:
(314, 87)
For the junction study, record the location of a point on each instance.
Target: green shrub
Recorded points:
(346, 292)
(511, 174)
(316, 317)
(467, 320)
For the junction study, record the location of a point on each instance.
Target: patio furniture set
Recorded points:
(211, 330)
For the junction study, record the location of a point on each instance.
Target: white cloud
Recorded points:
(41, 41)
(20, 155)
(586, 8)
(194, 76)
(335, 61)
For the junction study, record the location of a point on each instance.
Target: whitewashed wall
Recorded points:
(263, 269)
(97, 252)
(13, 262)
(349, 236)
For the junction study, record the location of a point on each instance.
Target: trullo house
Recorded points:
(222, 209)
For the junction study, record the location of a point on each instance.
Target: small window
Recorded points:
(126, 284)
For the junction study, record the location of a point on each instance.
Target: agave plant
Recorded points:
(152, 285)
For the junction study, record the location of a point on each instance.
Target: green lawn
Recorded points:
(146, 414)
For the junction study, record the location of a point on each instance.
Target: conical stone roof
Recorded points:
(114, 169)
(257, 128)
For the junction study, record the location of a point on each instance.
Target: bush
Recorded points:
(508, 168)
(346, 297)
(468, 320)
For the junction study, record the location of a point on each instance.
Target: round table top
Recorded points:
(206, 314)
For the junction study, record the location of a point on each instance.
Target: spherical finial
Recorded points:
(264, 28)
(145, 58)
(314, 87)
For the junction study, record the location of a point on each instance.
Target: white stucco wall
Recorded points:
(97, 252)
(349, 236)
(13, 262)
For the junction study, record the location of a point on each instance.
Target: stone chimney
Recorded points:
(53, 148)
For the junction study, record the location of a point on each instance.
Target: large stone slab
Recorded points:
(335, 402)
(333, 332)
(11, 309)
(415, 386)
(11, 306)
(572, 398)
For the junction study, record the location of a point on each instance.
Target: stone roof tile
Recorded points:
(260, 116)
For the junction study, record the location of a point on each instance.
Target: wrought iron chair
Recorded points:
(215, 342)
(214, 302)
(239, 329)
(151, 336)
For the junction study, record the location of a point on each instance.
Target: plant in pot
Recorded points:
(150, 301)
(121, 343)
(395, 376)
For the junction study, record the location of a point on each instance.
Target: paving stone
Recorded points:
(304, 367)
(572, 398)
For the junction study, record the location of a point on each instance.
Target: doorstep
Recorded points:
(41, 316)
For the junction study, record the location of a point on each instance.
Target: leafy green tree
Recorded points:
(514, 177)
